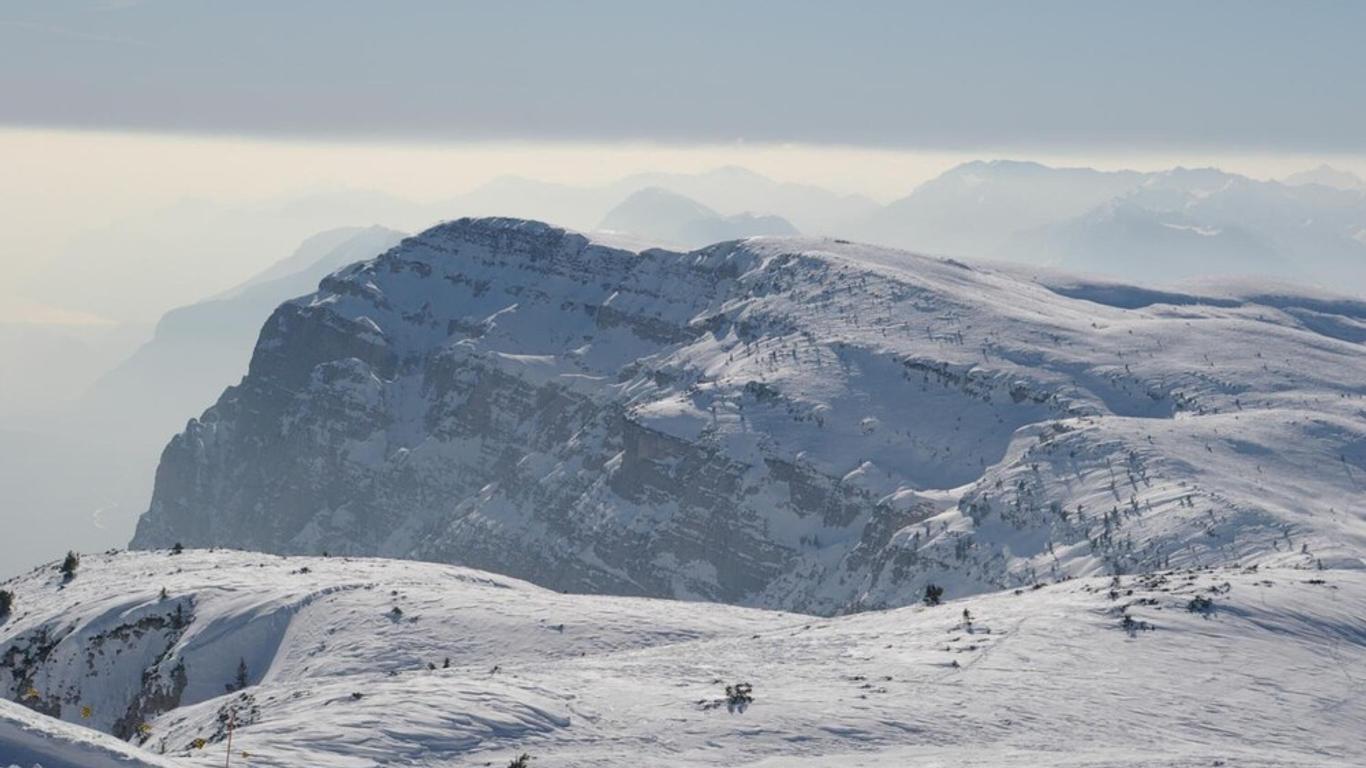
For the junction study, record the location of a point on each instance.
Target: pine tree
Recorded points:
(933, 594)
(6, 602)
(70, 564)
(178, 548)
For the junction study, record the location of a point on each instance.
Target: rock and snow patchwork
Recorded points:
(362, 662)
(793, 423)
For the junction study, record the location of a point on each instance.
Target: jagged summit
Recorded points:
(801, 423)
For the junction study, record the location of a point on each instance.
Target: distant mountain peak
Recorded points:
(738, 172)
(1327, 176)
(667, 217)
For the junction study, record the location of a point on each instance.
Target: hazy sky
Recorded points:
(111, 110)
(927, 75)
(83, 213)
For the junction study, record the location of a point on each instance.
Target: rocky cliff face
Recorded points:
(797, 423)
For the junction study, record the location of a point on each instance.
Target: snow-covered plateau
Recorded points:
(353, 662)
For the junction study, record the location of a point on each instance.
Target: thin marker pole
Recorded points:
(232, 718)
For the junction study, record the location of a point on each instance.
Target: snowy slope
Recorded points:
(1268, 673)
(28, 738)
(796, 423)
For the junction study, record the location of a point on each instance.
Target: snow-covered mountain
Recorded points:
(1184, 223)
(1125, 240)
(332, 662)
(1154, 227)
(793, 423)
(1327, 176)
(975, 209)
(658, 215)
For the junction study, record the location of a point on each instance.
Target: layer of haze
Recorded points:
(104, 227)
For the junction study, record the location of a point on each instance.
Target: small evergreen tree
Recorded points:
(239, 682)
(934, 594)
(178, 548)
(1201, 605)
(6, 602)
(739, 697)
(70, 564)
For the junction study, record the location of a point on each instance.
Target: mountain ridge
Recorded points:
(802, 423)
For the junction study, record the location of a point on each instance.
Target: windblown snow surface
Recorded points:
(346, 664)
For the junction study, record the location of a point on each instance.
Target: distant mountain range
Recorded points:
(1327, 176)
(1152, 227)
(1308, 228)
(726, 191)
